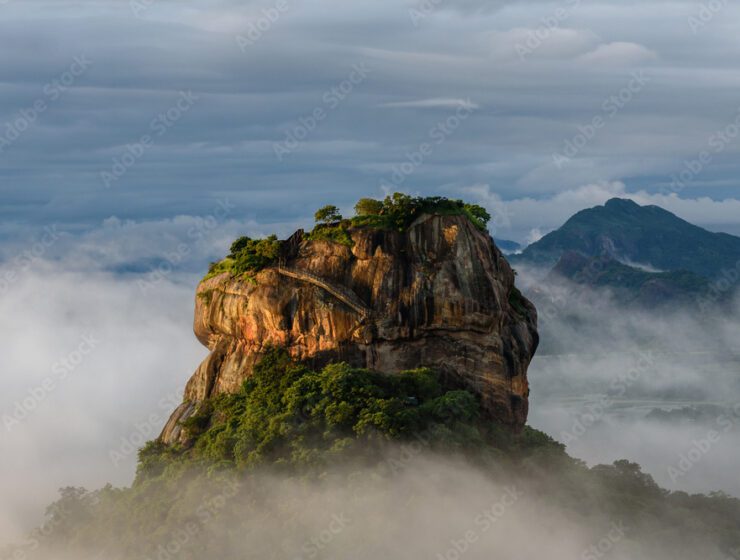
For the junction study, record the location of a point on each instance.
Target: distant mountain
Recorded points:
(507, 246)
(643, 235)
(630, 285)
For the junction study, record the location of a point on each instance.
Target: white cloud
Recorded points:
(619, 54)
(124, 389)
(535, 234)
(702, 210)
(547, 43)
(144, 353)
(518, 218)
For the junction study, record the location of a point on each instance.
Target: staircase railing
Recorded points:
(343, 294)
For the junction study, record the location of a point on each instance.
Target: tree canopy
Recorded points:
(399, 210)
(328, 214)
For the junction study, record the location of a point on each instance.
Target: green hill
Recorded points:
(630, 285)
(628, 232)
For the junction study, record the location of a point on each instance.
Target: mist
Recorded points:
(92, 367)
(605, 374)
(413, 504)
(114, 336)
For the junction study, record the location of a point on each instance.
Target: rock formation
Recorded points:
(439, 294)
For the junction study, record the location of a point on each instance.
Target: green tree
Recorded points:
(402, 209)
(368, 207)
(478, 212)
(328, 214)
(240, 244)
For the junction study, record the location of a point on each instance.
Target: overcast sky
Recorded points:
(536, 109)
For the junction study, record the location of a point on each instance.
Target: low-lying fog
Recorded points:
(432, 507)
(659, 388)
(94, 360)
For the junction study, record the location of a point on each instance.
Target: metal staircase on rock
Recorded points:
(342, 293)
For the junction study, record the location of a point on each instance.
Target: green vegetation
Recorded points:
(327, 215)
(647, 235)
(337, 232)
(247, 257)
(289, 416)
(206, 296)
(517, 301)
(633, 286)
(369, 207)
(398, 211)
(295, 443)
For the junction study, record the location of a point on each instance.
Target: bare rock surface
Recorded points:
(439, 295)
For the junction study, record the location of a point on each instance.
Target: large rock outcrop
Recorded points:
(439, 295)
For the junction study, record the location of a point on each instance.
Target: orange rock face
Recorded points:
(439, 295)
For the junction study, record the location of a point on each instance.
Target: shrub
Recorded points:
(247, 257)
(254, 254)
(338, 233)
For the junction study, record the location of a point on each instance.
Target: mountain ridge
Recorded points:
(630, 286)
(645, 235)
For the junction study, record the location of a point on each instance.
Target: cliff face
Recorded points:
(439, 295)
